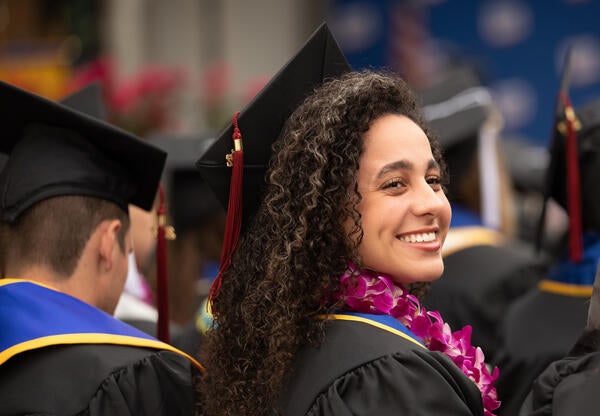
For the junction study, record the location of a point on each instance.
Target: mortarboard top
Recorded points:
(456, 106)
(261, 121)
(191, 201)
(88, 100)
(55, 150)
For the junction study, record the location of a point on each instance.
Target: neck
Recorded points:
(75, 285)
(40, 274)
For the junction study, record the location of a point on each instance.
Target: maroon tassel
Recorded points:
(233, 223)
(573, 183)
(162, 280)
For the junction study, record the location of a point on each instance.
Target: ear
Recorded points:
(108, 242)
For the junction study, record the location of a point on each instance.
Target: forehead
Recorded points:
(395, 137)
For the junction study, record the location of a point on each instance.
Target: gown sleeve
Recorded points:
(97, 379)
(569, 386)
(414, 383)
(158, 384)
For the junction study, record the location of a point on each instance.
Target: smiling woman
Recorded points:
(405, 213)
(316, 313)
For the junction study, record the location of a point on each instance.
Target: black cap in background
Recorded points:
(456, 107)
(55, 150)
(261, 121)
(190, 200)
(555, 186)
(588, 142)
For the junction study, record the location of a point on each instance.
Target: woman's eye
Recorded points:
(393, 184)
(435, 182)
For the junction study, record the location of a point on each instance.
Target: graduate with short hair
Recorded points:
(64, 245)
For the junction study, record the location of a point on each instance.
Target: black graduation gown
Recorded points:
(569, 386)
(364, 367)
(92, 380)
(481, 278)
(61, 356)
(539, 328)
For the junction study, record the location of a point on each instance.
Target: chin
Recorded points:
(432, 275)
(418, 275)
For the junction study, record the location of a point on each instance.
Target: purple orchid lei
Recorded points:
(376, 293)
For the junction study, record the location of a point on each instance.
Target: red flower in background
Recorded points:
(144, 103)
(99, 70)
(147, 102)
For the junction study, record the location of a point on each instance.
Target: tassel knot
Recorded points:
(233, 224)
(237, 134)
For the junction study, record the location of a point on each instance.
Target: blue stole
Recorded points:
(385, 322)
(575, 279)
(463, 217)
(35, 316)
(466, 231)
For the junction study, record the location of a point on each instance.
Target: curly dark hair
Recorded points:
(288, 261)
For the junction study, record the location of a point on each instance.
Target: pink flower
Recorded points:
(369, 292)
(144, 102)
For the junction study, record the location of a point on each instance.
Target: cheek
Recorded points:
(382, 219)
(374, 209)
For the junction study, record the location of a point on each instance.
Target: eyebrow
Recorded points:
(404, 165)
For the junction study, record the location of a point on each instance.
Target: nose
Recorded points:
(428, 201)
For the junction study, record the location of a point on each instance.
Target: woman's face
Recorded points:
(405, 213)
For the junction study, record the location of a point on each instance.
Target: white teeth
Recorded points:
(418, 238)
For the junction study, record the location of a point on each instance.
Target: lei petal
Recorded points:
(378, 294)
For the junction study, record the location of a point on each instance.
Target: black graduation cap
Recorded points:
(568, 166)
(239, 187)
(261, 121)
(88, 100)
(55, 150)
(190, 200)
(588, 143)
(456, 106)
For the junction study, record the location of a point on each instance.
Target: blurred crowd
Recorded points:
(507, 255)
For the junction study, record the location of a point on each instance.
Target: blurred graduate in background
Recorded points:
(485, 266)
(569, 386)
(543, 325)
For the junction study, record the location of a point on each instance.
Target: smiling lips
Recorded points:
(428, 241)
(418, 238)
